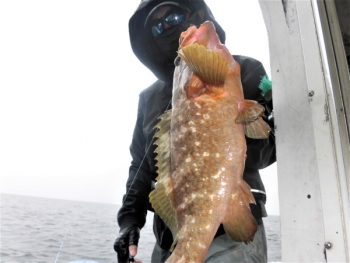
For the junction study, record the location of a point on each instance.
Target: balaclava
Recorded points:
(159, 54)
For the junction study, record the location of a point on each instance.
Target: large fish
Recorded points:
(201, 148)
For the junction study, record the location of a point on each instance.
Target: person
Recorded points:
(154, 31)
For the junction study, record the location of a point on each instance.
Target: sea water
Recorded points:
(50, 230)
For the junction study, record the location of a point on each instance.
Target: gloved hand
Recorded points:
(128, 236)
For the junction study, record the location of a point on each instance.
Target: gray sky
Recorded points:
(69, 86)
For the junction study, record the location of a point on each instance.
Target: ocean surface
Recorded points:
(50, 230)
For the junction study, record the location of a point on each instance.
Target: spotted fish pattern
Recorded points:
(201, 149)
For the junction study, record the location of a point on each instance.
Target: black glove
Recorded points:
(128, 236)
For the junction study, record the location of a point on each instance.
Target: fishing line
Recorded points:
(59, 251)
(149, 146)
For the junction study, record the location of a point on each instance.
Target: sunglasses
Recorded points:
(173, 18)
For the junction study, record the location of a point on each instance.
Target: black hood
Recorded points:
(143, 44)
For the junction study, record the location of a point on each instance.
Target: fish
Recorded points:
(201, 148)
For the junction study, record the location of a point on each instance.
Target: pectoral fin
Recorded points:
(161, 197)
(249, 110)
(257, 129)
(249, 114)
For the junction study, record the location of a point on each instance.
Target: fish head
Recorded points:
(205, 35)
(210, 61)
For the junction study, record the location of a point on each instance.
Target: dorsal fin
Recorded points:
(161, 197)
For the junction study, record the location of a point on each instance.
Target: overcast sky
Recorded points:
(69, 87)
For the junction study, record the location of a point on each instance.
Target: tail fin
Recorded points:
(239, 223)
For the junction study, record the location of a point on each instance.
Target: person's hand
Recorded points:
(126, 243)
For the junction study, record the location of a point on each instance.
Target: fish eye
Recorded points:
(177, 61)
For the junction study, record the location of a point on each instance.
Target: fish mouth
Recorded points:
(207, 64)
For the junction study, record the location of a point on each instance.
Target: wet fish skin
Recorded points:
(208, 122)
(204, 178)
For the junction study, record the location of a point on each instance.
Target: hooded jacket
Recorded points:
(154, 100)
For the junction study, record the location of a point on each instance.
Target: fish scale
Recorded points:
(209, 171)
(201, 149)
